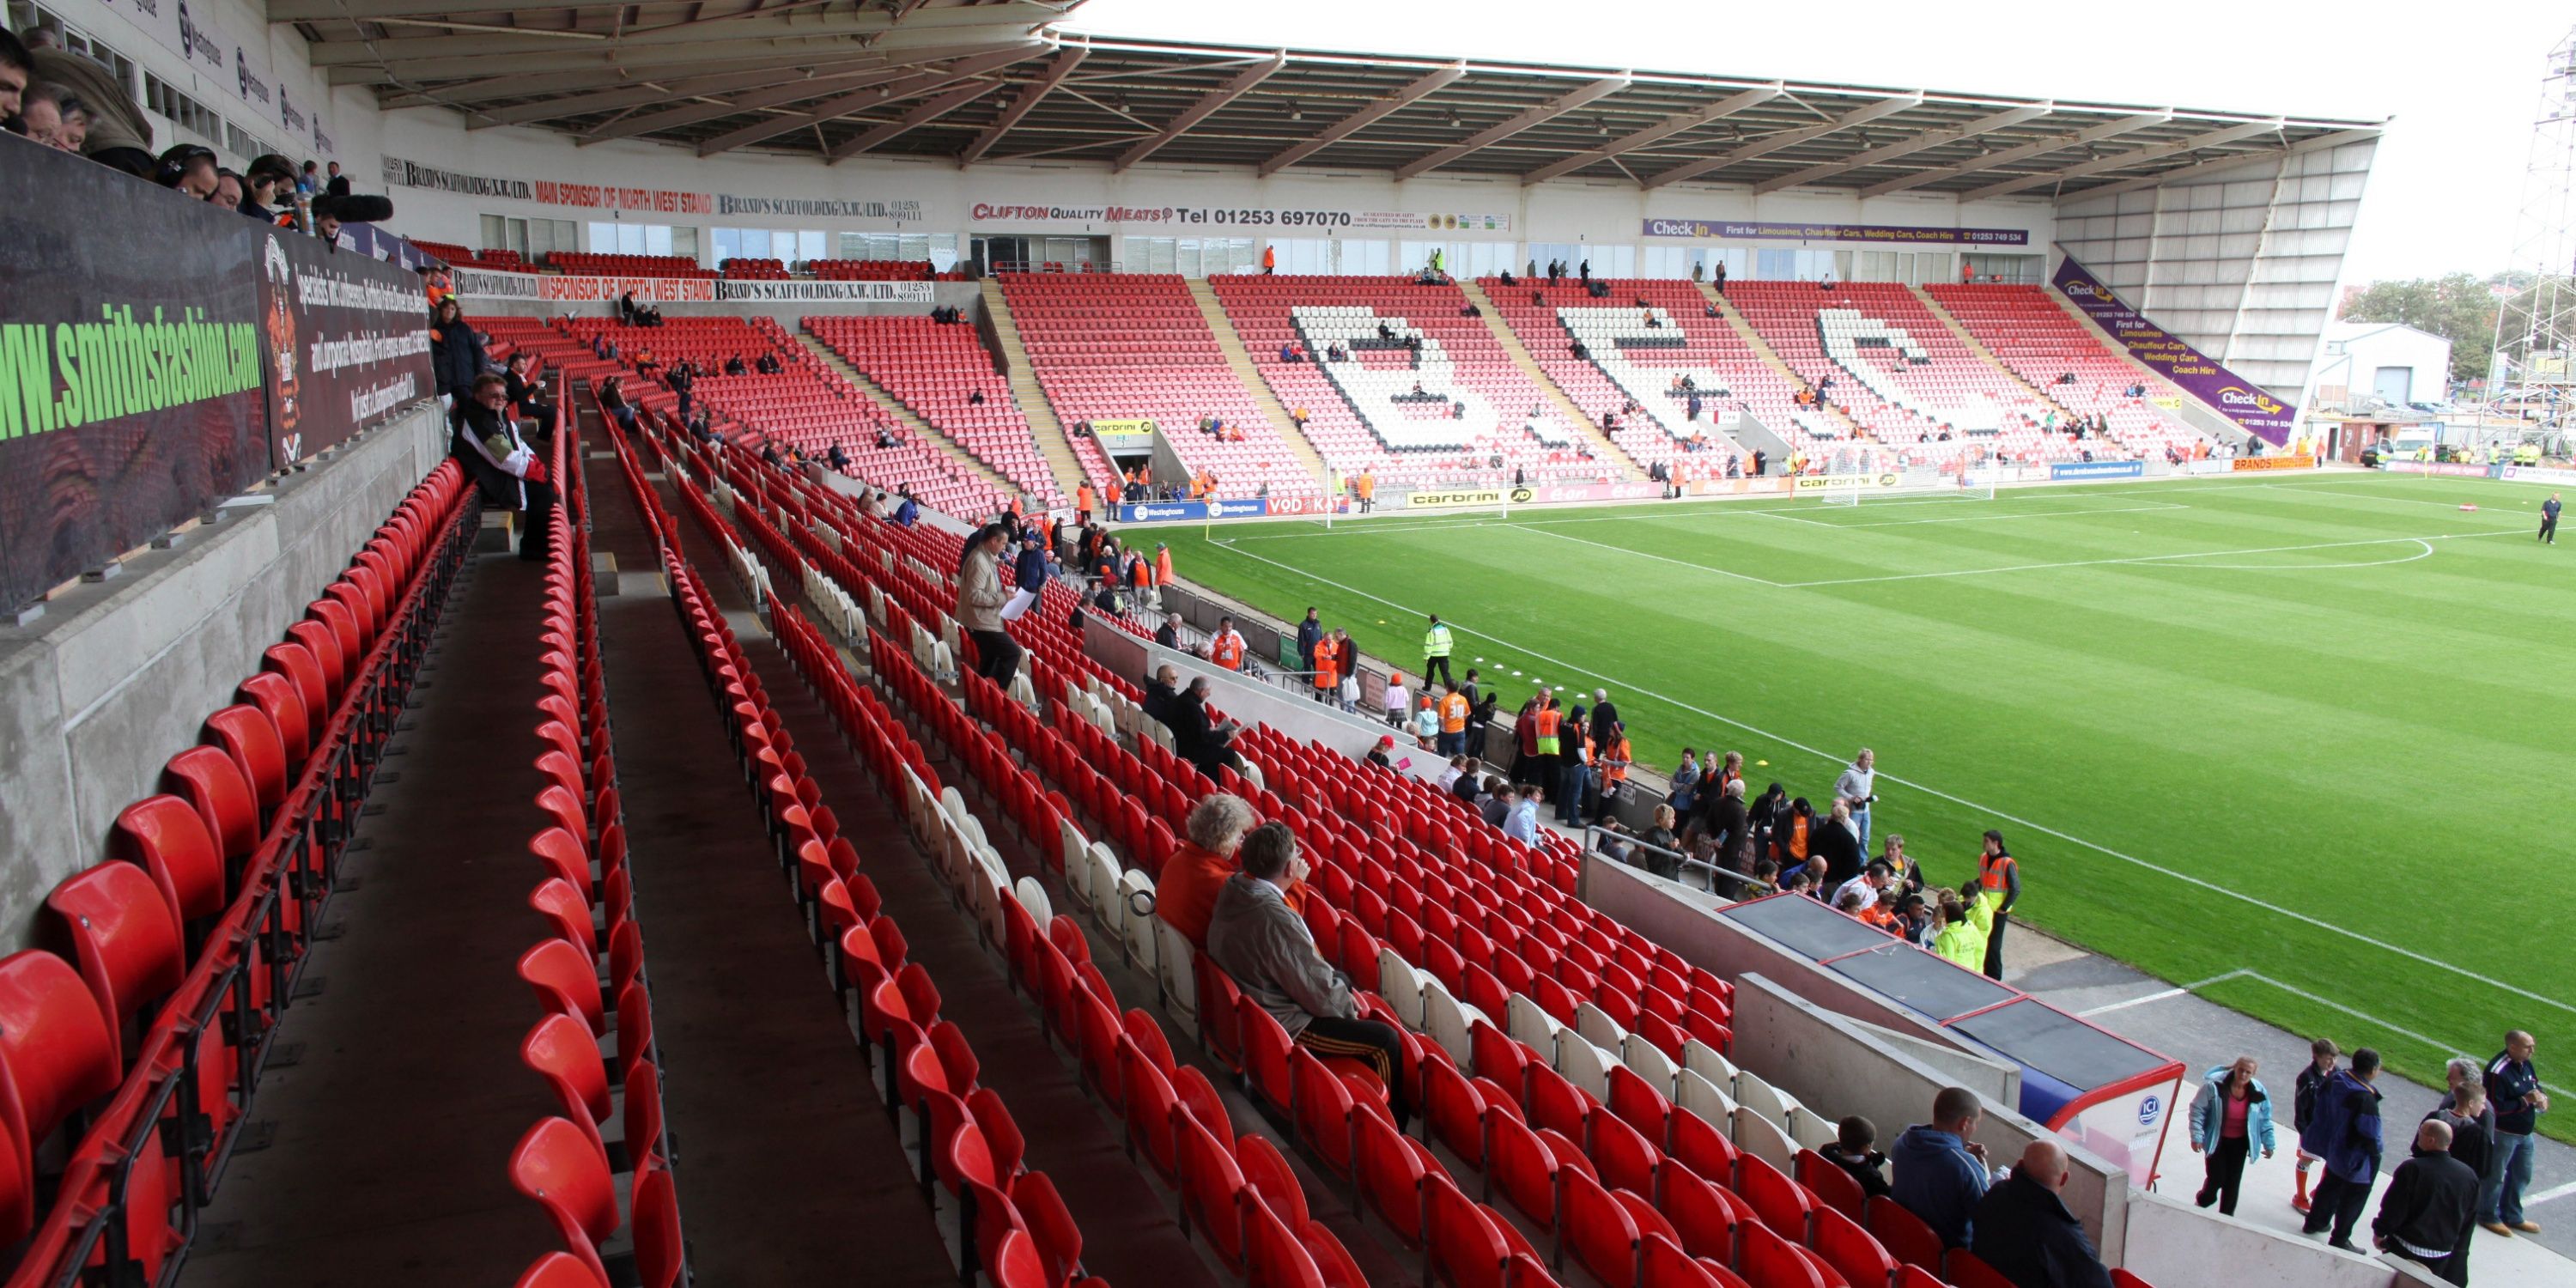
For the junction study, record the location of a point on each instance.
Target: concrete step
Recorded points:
(1602, 448)
(1236, 357)
(1004, 331)
(921, 429)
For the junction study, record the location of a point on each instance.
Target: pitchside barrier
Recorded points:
(1620, 845)
(1835, 488)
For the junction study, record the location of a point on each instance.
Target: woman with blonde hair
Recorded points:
(1196, 870)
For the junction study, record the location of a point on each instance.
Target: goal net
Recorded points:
(1846, 477)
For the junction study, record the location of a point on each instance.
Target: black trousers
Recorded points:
(2549, 528)
(2337, 1201)
(2225, 1173)
(997, 656)
(537, 519)
(1440, 664)
(2455, 1268)
(1995, 946)
(1369, 1042)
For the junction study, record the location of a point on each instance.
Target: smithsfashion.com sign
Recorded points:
(130, 391)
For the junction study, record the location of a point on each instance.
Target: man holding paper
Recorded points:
(1032, 572)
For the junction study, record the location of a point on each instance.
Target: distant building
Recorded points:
(2365, 364)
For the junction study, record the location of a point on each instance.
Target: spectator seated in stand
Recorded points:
(2024, 1231)
(1940, 1172)
(1853, 1152)
(1255, 937)
(612, 395)
(1195, 874)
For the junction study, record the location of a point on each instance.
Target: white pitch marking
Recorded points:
(1836, 758)
(1685, 563)
(2141, 559)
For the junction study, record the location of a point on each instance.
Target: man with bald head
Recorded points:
(2430, 1200)
(2024, 1231)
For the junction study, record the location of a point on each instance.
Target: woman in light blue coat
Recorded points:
(2230, 1118)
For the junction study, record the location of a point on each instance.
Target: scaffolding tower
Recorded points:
(2534, 372)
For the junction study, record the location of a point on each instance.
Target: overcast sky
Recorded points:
(2458, 82)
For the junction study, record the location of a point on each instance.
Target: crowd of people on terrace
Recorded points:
(57, 97)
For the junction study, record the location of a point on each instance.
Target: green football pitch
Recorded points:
(2297, 743)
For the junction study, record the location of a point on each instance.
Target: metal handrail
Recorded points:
(1744, 887)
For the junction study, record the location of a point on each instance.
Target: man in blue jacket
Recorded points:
(2344, 1132)
(1940, 1172)
(2513, 1087)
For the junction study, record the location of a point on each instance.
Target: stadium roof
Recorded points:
(972, 82)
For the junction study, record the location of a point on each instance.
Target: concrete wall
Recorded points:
(1706, 940)
(1839, 1068)
(117, 676)
(2172, 1242)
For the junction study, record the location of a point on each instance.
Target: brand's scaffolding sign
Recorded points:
(820, 292)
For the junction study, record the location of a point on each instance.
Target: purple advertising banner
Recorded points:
(2164, 353)
(1894, 234)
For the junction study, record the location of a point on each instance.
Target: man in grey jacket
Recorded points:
(1269, 952)
(980, 598)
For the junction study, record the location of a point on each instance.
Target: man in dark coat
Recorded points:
(2430, 1201)
(1729, 826)
(1195, 737)
(2344, 1131)
(486, 441)
(1310, 632)
(456, 357)
(1161, 692)
(2024, 1231)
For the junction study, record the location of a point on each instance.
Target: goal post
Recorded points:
(1846, 477)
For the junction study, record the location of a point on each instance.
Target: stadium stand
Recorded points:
(1570, 1114)
(2029, 332)
(1476, 418)
(942, 373)
(1122, 346)
(805, 406)
(1597, 1131)
(506, 261)
(1626, 360)
(136, 1034)
(597, 265)
(275, 1026)
(1901, 374)
(878, 270)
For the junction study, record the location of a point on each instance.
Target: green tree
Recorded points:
(2457, 307)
